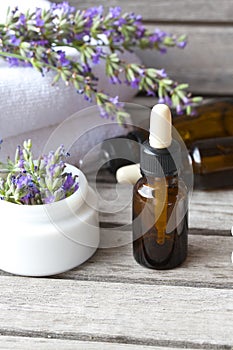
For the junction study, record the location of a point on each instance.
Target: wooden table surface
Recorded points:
(111, 302)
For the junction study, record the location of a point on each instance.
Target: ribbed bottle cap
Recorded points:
(160, 162)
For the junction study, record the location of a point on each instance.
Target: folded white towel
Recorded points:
(29, 102)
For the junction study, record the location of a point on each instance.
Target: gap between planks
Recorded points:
(37, 340)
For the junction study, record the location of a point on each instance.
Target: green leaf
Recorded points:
(182, 87)
(188, 110)
(130, 74)
(55, 79)
(182, 37)
(197, 99)
(167, 81)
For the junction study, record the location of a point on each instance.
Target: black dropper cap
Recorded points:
(160, 156)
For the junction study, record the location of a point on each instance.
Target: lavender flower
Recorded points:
(38, 18)
(115, 11)
(43, 183)
(94, 12)
(135, 83)
(96, 56)
(182, 44)
(14, 41)
(62, 58)
(22, 20)
(63, 7)
(30, 38)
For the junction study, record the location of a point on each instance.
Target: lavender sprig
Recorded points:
(37, 182)
(31, 39)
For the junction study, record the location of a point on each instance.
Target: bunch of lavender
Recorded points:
(44, 181)
(31, 39)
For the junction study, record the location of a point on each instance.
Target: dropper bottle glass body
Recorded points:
(153, 246)
(160, 198)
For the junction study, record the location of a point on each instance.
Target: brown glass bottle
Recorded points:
(160, 198)
(157, 244)
(214, 119)
(212, 162)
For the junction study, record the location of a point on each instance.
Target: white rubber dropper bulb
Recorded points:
(160, 127)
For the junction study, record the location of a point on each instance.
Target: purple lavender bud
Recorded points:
(86, 68)
(103, 113)
(64, 7)
(39, 20)
(39, 42)
(49, 199)
(150, 93)
(87, 98)
(68, 182)
(120, 22)
(21, 164)
(62, 58)
(26, 199)
(187, 101)
(108, 32)
(141, 72)
(14, 41)
(115, 11)
(162, 72)
(161, 100)
(162, 50)
(168, 101)
(22, 20)
(76, 187)
(96, 56)
(115, 80)
(182, 44)
(115, 101)
(94, 11)
(135, 83)
(16, 9)
(140, 31)
(179, 109)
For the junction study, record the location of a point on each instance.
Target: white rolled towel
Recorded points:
(31, 108)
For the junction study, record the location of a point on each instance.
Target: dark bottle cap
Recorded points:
(160, 162)
(122, 150)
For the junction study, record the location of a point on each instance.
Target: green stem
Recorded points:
(14, 55)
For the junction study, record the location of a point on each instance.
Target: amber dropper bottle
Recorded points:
(160, 224)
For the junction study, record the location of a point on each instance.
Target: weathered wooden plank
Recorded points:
(210, 210)
(132, 313)
(205, 63)
(159, 10)
(26, 343)
(208, 265)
